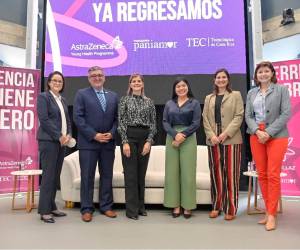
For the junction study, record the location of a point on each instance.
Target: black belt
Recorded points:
(139, 126)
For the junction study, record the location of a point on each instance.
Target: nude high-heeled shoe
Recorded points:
(264, 220)
(214, 214)
(271, 223)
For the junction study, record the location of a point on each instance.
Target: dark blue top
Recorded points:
(187, 115)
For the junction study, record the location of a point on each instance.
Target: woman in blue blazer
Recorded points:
(53, 135)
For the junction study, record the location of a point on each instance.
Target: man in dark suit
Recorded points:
(95, 115)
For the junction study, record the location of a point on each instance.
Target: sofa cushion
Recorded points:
(118, 180)
(155, 179)
(155, 176)
(203, 181)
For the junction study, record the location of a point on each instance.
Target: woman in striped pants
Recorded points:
(222, 118)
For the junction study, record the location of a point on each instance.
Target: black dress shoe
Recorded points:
(134, 217)
(47, 219)
(143, 213)
(58, 214)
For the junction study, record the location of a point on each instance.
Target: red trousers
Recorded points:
(268, 159)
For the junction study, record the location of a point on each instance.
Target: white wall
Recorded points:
(12, 56)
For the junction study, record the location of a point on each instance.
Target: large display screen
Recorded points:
(159, 37)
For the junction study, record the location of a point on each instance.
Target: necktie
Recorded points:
(102, 100)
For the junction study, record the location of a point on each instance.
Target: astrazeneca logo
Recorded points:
(7, 164)
(28, 161)
(115, 44)
(150, 44)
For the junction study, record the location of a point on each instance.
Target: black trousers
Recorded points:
(135, 168)
(51, 158)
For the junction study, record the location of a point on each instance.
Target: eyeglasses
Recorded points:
(95, 76)
(57, 81)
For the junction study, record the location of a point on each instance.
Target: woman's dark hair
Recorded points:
(50, 78)
(268, 65)
(216, 88)
(178, 80)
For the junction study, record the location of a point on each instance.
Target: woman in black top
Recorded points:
(137, 127)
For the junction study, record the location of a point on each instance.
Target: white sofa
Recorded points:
(154, 187)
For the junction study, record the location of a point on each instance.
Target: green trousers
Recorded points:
(180, 173)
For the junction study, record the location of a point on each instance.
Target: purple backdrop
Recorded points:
(152, 47)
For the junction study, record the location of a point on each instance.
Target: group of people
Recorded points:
(98, 115)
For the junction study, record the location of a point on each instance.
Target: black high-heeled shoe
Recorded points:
(143, 213)
(175, 215)
(47, 219)
(58, 213)
(186, 214)
(133, 217)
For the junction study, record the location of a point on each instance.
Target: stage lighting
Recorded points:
(287, 16)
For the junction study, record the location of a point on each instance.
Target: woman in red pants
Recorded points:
(267, 113)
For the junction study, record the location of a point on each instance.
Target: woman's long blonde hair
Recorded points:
(134, 75)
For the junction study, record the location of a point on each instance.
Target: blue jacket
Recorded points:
(90, 119)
